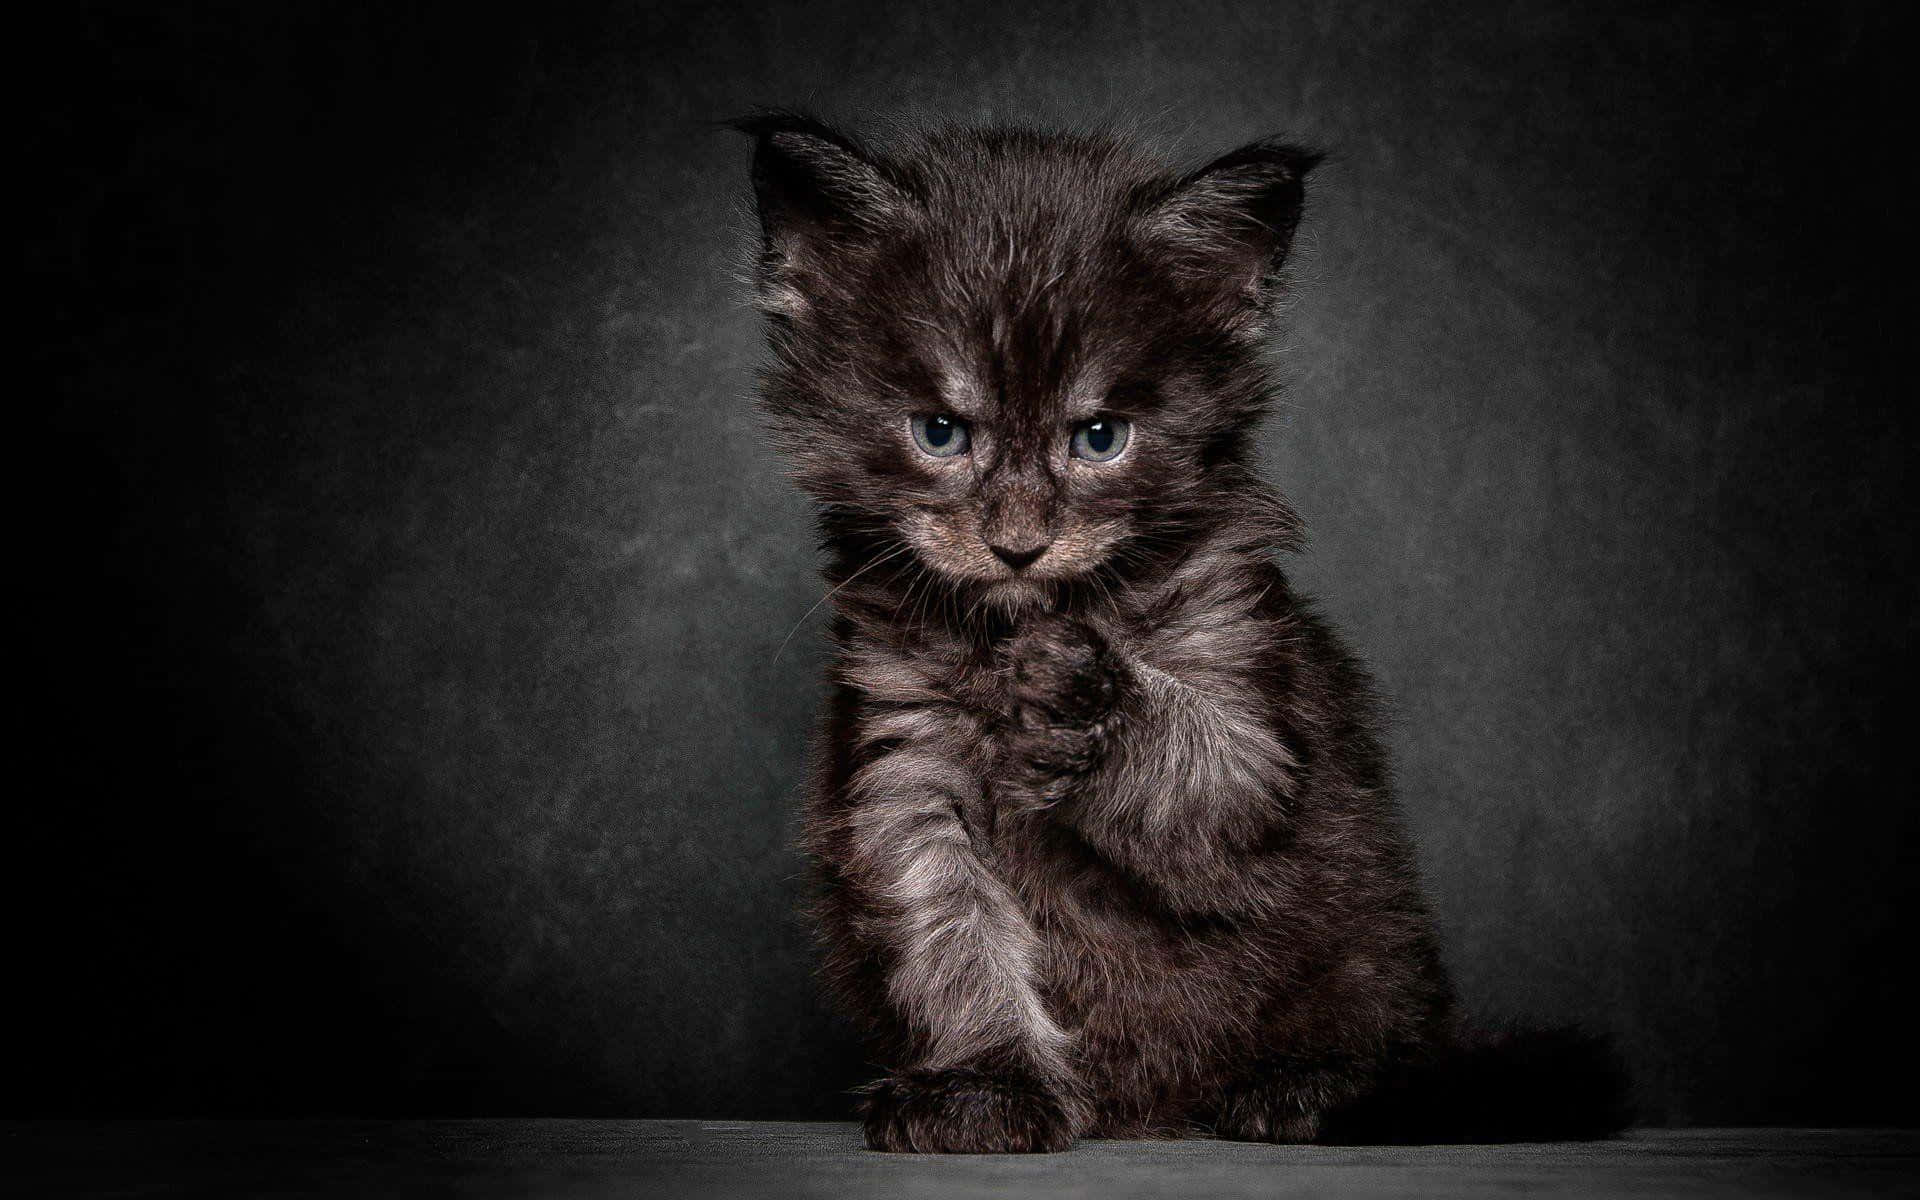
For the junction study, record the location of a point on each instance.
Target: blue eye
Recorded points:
(1101, 439)
(942, 437)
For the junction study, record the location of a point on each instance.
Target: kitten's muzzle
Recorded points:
(1018, 556)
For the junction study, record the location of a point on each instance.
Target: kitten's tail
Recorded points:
(1513, 1086)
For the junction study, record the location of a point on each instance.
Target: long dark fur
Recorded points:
(1105, 840)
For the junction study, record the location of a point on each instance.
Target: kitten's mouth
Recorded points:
(970, 568)
(1017, 592)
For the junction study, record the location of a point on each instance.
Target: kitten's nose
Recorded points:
(1017, 558)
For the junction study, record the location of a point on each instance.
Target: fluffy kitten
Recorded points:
(1100, 811)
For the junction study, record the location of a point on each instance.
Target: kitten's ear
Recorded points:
(815, 188)
(1234, 218)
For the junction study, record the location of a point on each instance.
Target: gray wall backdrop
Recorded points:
(413, 648)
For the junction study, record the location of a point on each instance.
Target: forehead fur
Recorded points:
(1023, 267)
(1021, 270)
(1029, 205)
(1018, 278)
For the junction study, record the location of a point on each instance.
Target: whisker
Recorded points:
(830, 595)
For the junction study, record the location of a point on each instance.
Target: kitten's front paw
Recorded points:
(1063, 685)
(1061, 672)
(956, 1111)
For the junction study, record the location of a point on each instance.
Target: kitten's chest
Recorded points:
(1149, 987)
(1081, 903)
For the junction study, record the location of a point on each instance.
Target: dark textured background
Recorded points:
(408, 729)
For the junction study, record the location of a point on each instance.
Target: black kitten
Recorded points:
(1100, 809)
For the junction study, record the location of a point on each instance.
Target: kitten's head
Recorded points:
(1027, 358)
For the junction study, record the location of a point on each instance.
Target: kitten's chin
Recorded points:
(1014, 595)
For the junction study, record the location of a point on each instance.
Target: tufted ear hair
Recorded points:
(1234, 218)
(814, 187)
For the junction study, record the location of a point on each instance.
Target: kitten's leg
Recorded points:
(958, 1110)
(990, 1071)
(1176, 779)
(1286, 1099)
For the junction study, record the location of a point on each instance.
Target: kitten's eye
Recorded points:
(942, 437)
(1101, 439)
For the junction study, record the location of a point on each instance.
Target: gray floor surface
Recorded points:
(744, 1159)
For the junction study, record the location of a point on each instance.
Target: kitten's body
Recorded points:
(1104, 827)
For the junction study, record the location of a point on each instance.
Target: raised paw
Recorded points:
(957, 1111)
(1062, 687)
(1060, 673)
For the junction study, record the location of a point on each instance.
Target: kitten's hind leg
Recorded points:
(1286, 1100)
